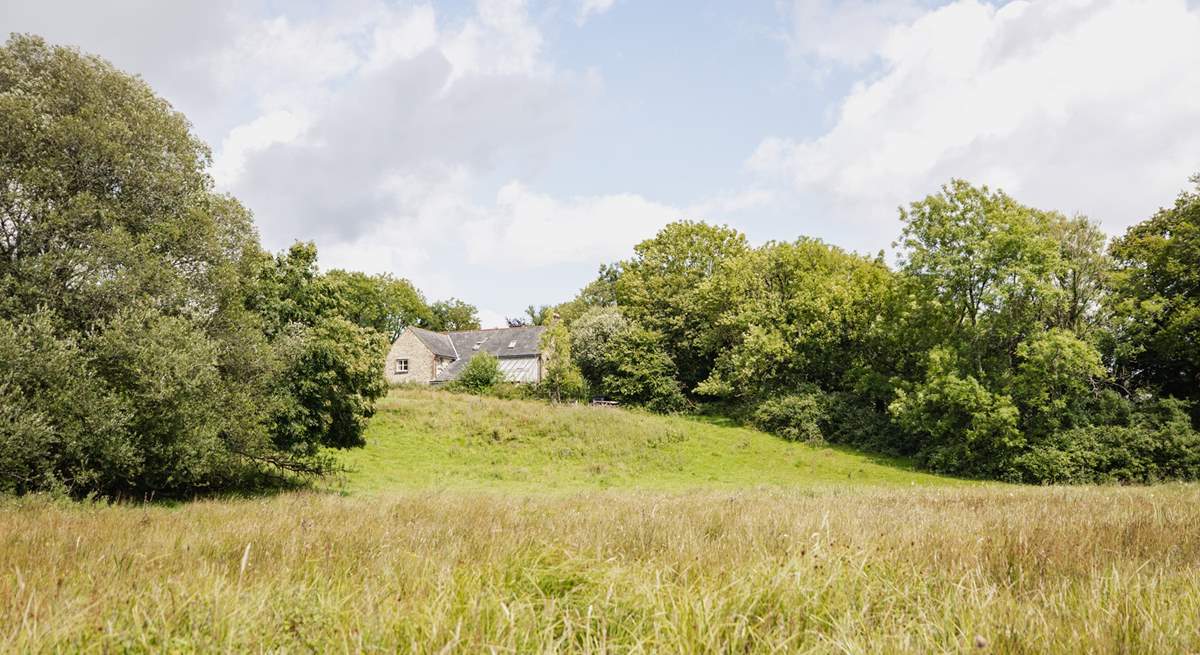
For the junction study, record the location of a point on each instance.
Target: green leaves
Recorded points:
(481, 374)
(1156, 305)
(149, 345)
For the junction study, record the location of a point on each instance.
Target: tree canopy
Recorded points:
(149, 345)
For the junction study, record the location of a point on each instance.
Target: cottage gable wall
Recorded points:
(422, 365)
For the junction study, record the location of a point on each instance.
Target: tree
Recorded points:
(958, 426)
(378, 302)
(659, 289)
(981, 265)
(561, 379)
(1082, 274)
(539, 315)
(1156, 299)
(792, 314)
(594, 335)
(600, 292)
(452, 315)
(149, 344)
(331, 366)
(641, 372)
(1056, 376)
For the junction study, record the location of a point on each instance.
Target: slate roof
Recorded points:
(437, 343)
(526, 342)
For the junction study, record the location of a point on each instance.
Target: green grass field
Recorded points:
(473, 525)
(427, 439)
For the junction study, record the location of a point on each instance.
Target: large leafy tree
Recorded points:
(382, 303)
(452, 315)
(794, 314)
(332, 364)
(143, 350)
(660, 289)
(1157, 299)
(981, 264)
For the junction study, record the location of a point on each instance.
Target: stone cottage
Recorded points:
(427, 357)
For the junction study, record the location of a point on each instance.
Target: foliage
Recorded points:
(600, 292)
(481, 374)
(955, 424)
(151, 347)
(379, 302)
(1114, 453)
(1056, 377)
(660, 289)
(795, 417)
(561, 379)
(593, 336)
(452, 315)
(60, 429)
(332, 369)
(792, 314)
(640, 372)
(1156, 300)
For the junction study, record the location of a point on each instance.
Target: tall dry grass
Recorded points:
(963, 570)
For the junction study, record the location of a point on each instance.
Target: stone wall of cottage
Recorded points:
(421, 363)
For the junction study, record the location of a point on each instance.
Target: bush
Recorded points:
(851, 420)
(512, 391)
(958, 426)
(1110, 453)
(797, 417)
(642, 373)
(481, 374)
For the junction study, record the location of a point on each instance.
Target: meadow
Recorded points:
(430, 439)
(596, 530)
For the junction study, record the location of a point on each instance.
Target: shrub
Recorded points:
(481, 374)
(642, 373)
(796, 417)
(511, 391)
(1111, 453)
(852, 421)
(958, 426)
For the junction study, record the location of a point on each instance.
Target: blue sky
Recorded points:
(501, 150)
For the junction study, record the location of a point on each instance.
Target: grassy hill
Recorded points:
(422, 439)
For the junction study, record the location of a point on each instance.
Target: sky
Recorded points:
(499, 151)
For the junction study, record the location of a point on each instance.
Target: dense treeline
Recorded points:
(1007, 343)
(148, 344)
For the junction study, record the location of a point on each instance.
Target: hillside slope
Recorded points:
(427, 439)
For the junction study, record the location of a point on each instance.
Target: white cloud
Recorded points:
(845, 32)
(520, 229)
(590, 8)
(499, 40)
(244, 140)
(1073, 105)
(525, 229)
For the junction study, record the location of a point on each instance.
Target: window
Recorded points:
(401, 366)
